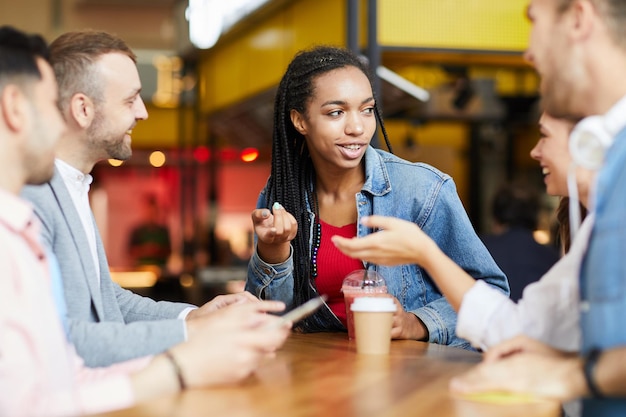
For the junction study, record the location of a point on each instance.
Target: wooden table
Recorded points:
(321, 375)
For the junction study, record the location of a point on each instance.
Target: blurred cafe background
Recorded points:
(454, 88)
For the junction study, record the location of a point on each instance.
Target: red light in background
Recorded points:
(228, 154)
(249, 154)
(201, 154)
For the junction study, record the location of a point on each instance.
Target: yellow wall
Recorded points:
(249, 64)
(454, 24)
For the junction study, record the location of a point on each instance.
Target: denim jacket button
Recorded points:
(266, 270)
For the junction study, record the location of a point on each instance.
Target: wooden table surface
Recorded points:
(321, 375)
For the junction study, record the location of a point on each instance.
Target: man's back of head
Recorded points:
(30, 122)
(18, 55)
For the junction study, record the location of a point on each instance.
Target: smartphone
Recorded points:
(305, 309)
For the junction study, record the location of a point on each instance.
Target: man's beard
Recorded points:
(118, 150)
(561, 90)
(100, 137)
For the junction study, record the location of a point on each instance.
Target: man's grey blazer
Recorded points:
(107, 323)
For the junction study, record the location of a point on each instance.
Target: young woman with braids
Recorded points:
(549, 308)
(325, 177)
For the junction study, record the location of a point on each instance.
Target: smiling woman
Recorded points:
(549, 152)
(326, 174)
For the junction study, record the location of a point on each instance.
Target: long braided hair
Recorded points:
(292, 180)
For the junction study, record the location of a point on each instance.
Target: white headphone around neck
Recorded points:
(588, 144)
(589, 141)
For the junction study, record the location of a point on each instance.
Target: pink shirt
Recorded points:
(40, 373)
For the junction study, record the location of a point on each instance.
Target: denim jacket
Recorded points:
(423, 195)
(603, 272)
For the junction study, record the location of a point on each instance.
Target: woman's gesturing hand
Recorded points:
(275, 230)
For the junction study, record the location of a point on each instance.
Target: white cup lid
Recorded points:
(373, 304)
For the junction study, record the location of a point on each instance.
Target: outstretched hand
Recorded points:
(524, 366)
(397, 242)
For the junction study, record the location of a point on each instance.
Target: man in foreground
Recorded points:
(579, 49)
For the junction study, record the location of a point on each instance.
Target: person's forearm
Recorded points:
(273, 253)
(158, 378)
(451, 280)
(105, 343)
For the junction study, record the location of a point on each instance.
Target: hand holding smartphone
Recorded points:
(305, 309)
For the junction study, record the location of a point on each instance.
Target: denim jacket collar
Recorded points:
(376, 176)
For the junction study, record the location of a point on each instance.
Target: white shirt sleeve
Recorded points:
(548, 310)
(476, 323)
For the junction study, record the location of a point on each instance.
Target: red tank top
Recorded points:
(333, 266)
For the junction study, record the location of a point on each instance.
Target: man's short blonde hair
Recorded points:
(73, 56)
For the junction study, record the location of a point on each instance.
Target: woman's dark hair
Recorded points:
(292, 180)
(563, 232)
